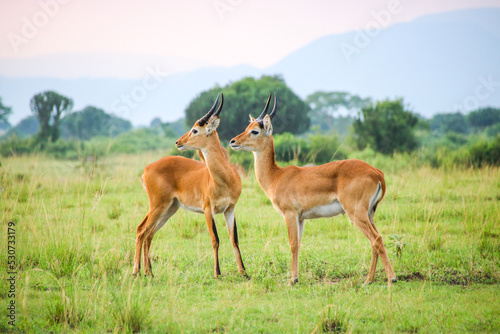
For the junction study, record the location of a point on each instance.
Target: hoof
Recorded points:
(293, 281)
(394, 280)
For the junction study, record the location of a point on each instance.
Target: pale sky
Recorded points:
(189, 33)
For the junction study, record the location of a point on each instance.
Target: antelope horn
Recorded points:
(264, 112)
(205, 118)
(274, 107)
(220, 106)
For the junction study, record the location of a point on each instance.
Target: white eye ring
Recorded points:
(194, 131)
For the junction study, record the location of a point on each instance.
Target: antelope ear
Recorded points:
(213, 123)
(251, 118)
(268, 127)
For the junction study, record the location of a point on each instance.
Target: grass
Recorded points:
(75, 239)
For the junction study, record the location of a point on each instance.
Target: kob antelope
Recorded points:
(209, 187)
(298, 193)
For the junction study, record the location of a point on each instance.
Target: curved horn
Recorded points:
(220, 106)
(264, 112)
(274, 108)
(205, 118)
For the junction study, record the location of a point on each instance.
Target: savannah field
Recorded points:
(74, 238)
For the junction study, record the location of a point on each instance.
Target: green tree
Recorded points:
(4, 115)
(48, 107)
(92, 122)
(325, 108)
(248, 96)
(330, 102)
(484, 117)
(452, 122)
(386, 126)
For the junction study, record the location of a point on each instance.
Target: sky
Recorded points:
(187, 34)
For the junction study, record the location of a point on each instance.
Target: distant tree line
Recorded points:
(52, 118)
(478, 120)
(320, 128)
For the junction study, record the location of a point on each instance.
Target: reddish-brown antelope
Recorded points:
(209, 187)
(298, 193)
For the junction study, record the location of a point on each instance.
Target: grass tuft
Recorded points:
(64, 310)
(132, 307)
(333, 321)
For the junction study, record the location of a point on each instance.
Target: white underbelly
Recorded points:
(329, 210)
(219, 208)
(191, 208)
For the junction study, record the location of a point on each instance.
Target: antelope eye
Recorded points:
(194, 131)
(254, 132)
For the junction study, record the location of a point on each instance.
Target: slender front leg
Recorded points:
(212, 230)
(292, 223)
(233, 236)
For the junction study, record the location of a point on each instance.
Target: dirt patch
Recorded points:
(411, 277)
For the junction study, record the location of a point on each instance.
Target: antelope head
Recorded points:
(258, 133)
(203, 129)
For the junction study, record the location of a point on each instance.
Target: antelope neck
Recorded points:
(265, 166)
(216, 161)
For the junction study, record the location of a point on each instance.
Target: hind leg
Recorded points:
(162, 219)
(360, 219)
(373, 262)
(357, 208)
(233, 236)
(143, 231)
(138, 245)
(373, 266)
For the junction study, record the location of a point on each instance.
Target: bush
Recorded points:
(242, 158)
(387, 127)
(17, 146)
(485, 153)
(64, 149)
(287, 147)
(474, 153)
(317, 149)
(138, 141)
(130, 142)
(323, 149)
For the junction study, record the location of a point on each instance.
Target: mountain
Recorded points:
(437, 63)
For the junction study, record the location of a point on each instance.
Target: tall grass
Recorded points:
(75, 239)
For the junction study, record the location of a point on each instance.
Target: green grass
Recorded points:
(75, 240)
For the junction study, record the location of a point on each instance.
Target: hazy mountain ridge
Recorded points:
(436, 63)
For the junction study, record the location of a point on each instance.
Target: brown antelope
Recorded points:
(298, 193)
(209, 187)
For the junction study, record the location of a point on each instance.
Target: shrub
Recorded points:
(17, 146)
(323, 149)
(287, 147)
(485, 153)
(318, 148)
